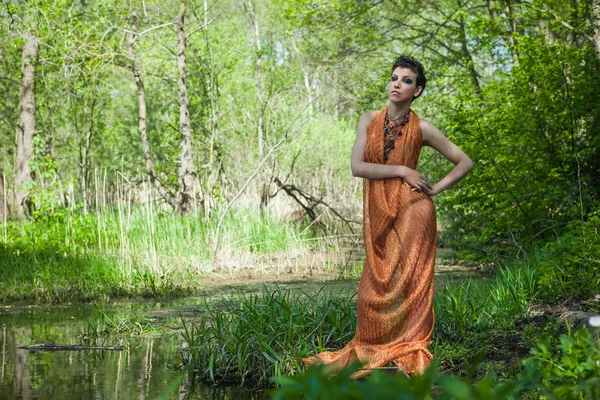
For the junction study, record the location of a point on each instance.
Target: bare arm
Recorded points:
(361, 168)
(463, 165)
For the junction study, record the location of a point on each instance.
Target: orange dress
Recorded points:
(395, 295)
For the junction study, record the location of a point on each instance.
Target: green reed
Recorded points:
(133, 250)
(248, 338)
(462, 307)
(105, 322)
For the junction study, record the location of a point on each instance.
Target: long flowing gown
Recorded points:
(395, 295)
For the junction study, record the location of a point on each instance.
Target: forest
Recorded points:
(164, 149)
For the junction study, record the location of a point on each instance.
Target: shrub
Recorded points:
(572, 373)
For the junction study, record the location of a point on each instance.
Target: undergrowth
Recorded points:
(131, 251)
(487, 323)
(569, 266)
(566, 371)
(248, 338)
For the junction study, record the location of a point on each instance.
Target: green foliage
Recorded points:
(104, 322)
(477, 319)
(46, 188)
(565, 268)
(50, 275)
(532, 147)
(568, 266)
(317, 383)
(249, 338)
(570, 374)
(65, 254)
(478, 305)
(516, 88)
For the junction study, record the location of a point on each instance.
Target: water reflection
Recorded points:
(142, 370)
(145, 368)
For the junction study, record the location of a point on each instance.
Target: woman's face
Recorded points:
(403, 86)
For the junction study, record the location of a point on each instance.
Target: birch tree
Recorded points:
(596, 19)
(3, 199)
(26, 123)
(142, 117)
(186, 157)
(258, 75)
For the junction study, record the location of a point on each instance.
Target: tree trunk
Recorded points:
(546, 31)
(307, 82)
(214, 157)
(258, 77)
(3, 199)
(162, 189)
(467, 54)
(84, 155)
(26, 124)
(596, 12)
(186, 156)
(507, 35)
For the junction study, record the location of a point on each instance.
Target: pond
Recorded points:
(146, 368)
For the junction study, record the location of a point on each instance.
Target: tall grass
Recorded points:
(105, 322)
(126, 249)
(464, 308)
(247, 339)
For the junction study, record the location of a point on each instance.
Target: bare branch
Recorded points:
(136, 35)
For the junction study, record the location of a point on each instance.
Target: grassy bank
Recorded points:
(248, 339)
(566, 371)
(490, 324)
(136, 251)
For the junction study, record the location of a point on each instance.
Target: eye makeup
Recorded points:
(405, 79)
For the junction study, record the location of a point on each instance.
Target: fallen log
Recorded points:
(59, 347)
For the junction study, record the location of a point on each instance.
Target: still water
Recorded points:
(141, 370)
(146, 368)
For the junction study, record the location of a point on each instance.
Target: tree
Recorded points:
(142, 117)
(186, 157)
(596, 19)
(26, 123)
(258, 74)
(3, 199)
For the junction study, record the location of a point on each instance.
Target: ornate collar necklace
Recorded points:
(391, 130)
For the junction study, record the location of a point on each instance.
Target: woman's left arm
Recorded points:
(432, 137)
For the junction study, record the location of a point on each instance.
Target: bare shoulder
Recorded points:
(429, 131)
(427, 126)
(364, 122)
(367, 117)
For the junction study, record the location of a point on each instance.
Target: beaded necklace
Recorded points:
(392, 130)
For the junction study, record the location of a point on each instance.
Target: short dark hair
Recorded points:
(415, 66)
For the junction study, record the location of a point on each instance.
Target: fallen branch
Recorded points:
(312, 202)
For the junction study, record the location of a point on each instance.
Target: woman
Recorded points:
(395, 295)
